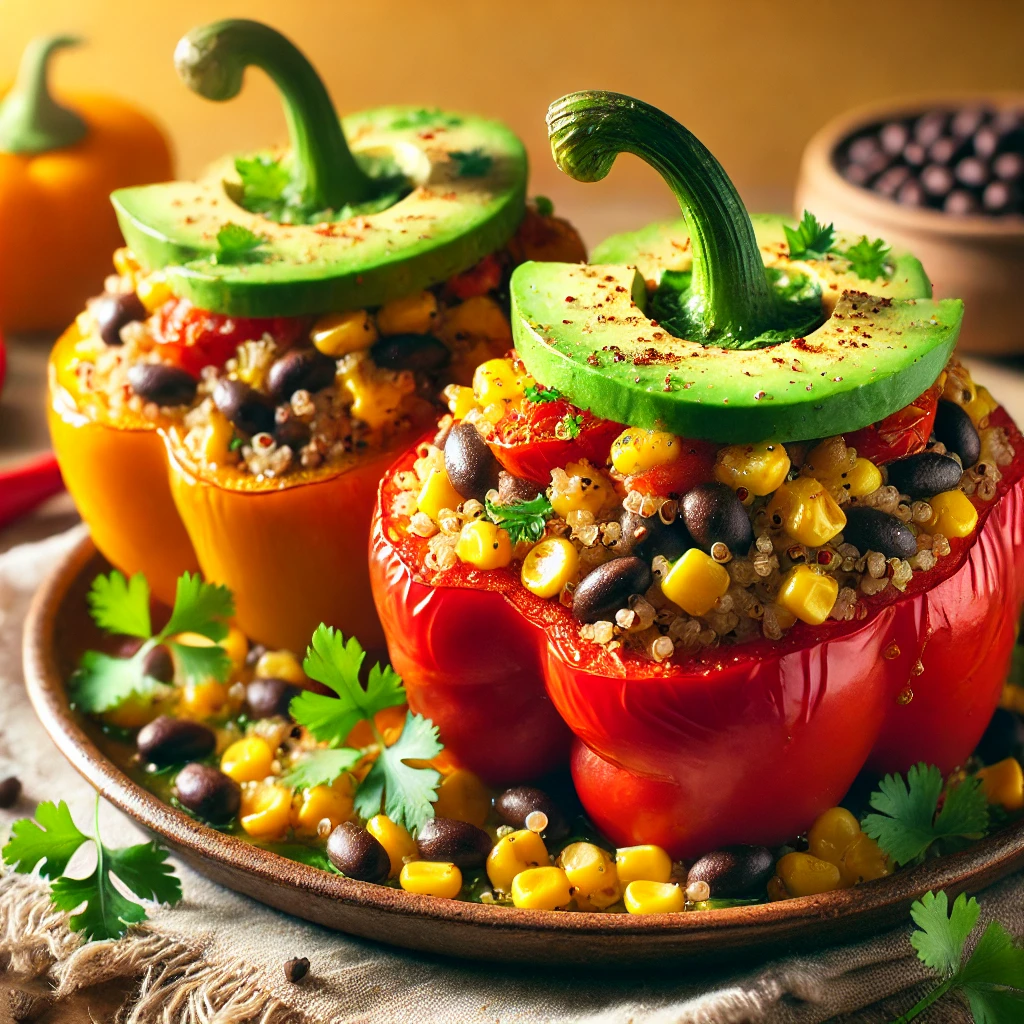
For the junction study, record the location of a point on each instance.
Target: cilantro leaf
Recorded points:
(472, 163)
(264, 182)
(868, 260)
(144, 868)
(52, 838)
(537, 394)
(424, 118)
(543, 206)
(321, 767)
(811, 240)
(568, 428)
(406, 793)
(523, 520)
(106, 914)
(101, 682)
(200, 607)
(197, 664)
(120, 605)
(234, 241)
(941, 935)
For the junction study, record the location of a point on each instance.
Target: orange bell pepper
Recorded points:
(58, 167)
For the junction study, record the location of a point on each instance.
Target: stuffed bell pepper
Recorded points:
(277, 329)
(730, 512)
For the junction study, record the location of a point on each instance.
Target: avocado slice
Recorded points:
(420, 196)
(735, 367)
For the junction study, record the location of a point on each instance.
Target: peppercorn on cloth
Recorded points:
(218, 957)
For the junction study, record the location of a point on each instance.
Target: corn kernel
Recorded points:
(461, 400)
(808, 593)
(134, 712)
(437, 493)
(331, 802)
(776, 889)
(549, 566)
(203, 700)
(643, 897)
(582, 489)
(496, 380)
(377, 395)
(153, 291)
(217, 439)
(337, 334)
(592, 875)
(648, 863)
(464, 797)
(265, 811)
(236, 647)
(248, 759)
(1003, 784)
(479, 319)
(863, 861)
(981, 406)
(636, 450)
(863, 478)
(126, 263)
(760, 468)
(431, 878)
(832, 832)
(411, 314)
(400, 846)
(484, 545)
(545, 888)
(806, 875)
(807, 512)
(695, 582)
(280, 665)
(513, 853)
(953, 515)
(828, 460)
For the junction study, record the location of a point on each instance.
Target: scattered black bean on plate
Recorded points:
(10, 790)
(295, 970)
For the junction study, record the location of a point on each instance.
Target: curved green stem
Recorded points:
(31, 121)
(730, 300)
(212, 59)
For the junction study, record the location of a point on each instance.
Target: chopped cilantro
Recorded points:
(537, 393)
(264, 182)
(236, 443)
(472, 163)
(543, 206)
(236, 242)
(568, 428)
(868, 260)
(811, 240)
(522, 520)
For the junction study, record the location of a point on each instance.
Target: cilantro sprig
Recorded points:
(103, 911)
(120, 605)
(869, 260)
(813, 240)
(235, 242)
(265, 182)
(405, 792)
(522, 520)
(538, 395)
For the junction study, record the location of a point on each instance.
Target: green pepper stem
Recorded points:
(730, 300)
(31, 121)
(212, 59)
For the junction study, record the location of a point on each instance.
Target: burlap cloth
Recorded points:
(217, 958)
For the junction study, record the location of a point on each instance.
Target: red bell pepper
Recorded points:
(742, 743)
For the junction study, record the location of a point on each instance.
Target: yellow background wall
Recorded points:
(752, 79)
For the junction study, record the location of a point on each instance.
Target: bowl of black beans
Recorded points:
(945, 179)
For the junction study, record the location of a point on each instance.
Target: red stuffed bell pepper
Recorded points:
(795, 560)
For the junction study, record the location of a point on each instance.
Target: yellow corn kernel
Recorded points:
(377, 396)
(863, 861)
(411, 314)
(953, 515)
(635, 450)
(126, 263)
(862, 479)
(513, 853)
(549, 566)
(643, 897)
(807, 593)
(217, 439)
(545, 888)
(153, 291)
(437, 493)
(331, 802)
(807, 512)
(479, 318)
(265, 811)
(248, 759)
(337, 334)
(484, 545)
(806, 875)
(579, 488)
(648, 863)
(236, 646)
(776, 890)
(280, 665)
(828, 460)
(981, 406)
(832, 832)
(463, 796)
(431, 878)
(134, 712)
(203, 700)
(461, 400)
(592, 875)
(759, 468)
(495, 381)
(1003, 784)
(400, 846)
(695, 582)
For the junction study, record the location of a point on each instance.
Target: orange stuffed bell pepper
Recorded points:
(287, 321)
(58, 166)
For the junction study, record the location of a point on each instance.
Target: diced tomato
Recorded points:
(695, 465)
(903, 433)
(478, 280)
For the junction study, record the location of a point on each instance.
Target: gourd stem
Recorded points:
(212, 59)
(31, 121)
(730, 300)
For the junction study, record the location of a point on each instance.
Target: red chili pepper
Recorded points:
(27, 485)
(741, 743)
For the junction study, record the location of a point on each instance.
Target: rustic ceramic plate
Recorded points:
(59, 629)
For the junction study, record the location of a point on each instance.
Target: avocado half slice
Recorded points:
(749, 344)
(420, 195)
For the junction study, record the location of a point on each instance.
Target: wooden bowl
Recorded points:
(975, 258)
(58, 629)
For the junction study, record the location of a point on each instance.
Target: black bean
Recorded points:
(955, 429)
(10, 791)
(871, 529)
(515, 488)
(944, 149)
(915, 154)
(163, 384)
(292, 434)
(158, 664)
(936, 179)
(648, 536)
(606, 589)
(864, 150)
(889, 182)
(168, 740)
(469, 462)
(930, 126)
(208, 793)
(255, 652)
(967, 121)
(972, 171)
(925, 475)
(1000, 197)
(265, 698)
(411, 352)
(856, 174)
(910, 193)
(1008, 166)
(295, 970)
(455, 842)
(986, 141)
(734, 871)
(713, 514)
(357, 854)
(517, 803)
(245, 408)
(960, 202)
(893, 137)
(1003, 737)
(301, 369)
(112, 312)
